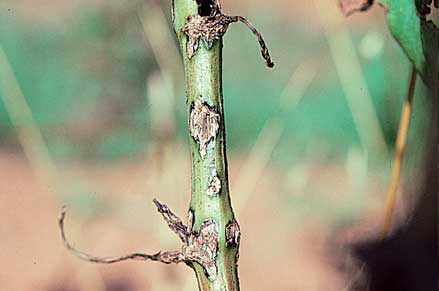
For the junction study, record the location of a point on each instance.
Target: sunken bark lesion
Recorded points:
(210, 24)
(204, 123)
(233, 233)
(214, 187)
(198, 246)
(205, 28)
(202, 247)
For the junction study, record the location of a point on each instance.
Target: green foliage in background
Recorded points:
(417, 36)
(82, 79)
(85, 83)
(37, 54)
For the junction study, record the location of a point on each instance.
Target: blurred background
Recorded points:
(93, 115)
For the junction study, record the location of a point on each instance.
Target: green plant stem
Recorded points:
(204, 91)
(211, 236)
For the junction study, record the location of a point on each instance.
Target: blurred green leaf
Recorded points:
(417, 37)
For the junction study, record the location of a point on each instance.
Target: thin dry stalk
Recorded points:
(401, 142)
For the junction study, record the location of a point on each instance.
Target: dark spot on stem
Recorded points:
(207, 7)
(233, 233)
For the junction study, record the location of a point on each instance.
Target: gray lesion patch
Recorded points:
(198, 246)
(204, 123)
(206, 28)
(190, 221)
(214, 187)
(233, 233)
(202, 247)
(210, 25)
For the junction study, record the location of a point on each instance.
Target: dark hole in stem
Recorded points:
(207, 7)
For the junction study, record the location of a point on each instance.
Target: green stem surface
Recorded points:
(203, 85)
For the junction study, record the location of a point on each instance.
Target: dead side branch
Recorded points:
(167, 257)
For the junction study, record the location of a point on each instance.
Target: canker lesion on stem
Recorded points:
(204, 123)
(233, 233)
(214, 187)
(210, 24)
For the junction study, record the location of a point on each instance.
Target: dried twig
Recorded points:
(167, 257)
(401, 141)
(173, 221)
(264, 49)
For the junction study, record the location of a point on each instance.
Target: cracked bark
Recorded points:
(202, 62)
